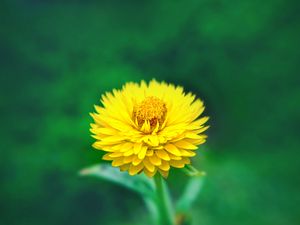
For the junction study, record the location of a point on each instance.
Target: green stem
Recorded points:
(164, 205)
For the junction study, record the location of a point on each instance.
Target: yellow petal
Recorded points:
(113, 139)
(136, 161)
(201, 129)
(155, 160)
(148, 165)
(128, 153)
(149, 152)
(162, 154)
(126, 146)
(98, 145)
(129, 159)
(118, 162)
(106, 131)
(187, 153)
(135, 169)
(156, 128)
(198, 142)
(137, 147)
(142, 153)
(192, 135)
(98, 136)
(149, 173)
(165, 166)
(146, 127)
(153, 140)
(172, 149)
(185, 145)
(199, 122)
(175, 157)
(124, 167)
(116, 154)
(107, 157)
(177, 163)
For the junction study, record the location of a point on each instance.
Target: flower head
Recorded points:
(149, 127)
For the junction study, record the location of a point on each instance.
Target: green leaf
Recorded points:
(138, 183)
(190, 194)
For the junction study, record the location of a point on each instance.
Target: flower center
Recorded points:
(151, 110)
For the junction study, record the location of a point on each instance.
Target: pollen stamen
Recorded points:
(152, 110)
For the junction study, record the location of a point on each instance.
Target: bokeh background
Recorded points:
(58, 56)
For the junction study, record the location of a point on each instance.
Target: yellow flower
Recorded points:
(149, 127)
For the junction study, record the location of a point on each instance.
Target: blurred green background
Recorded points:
(240, 57)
